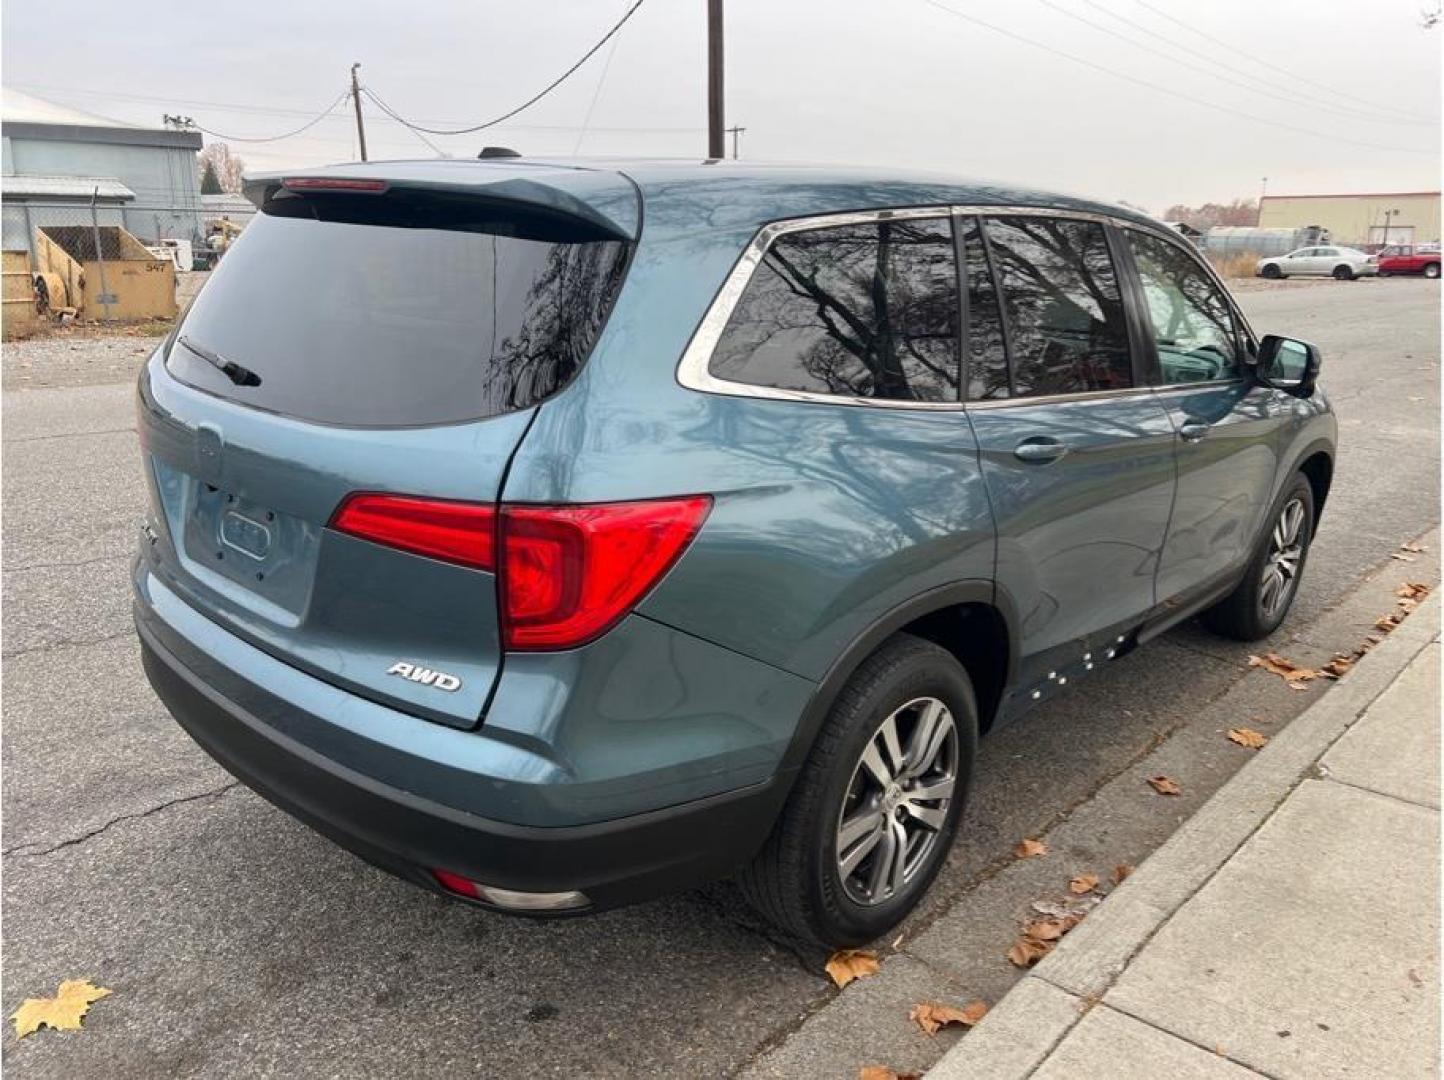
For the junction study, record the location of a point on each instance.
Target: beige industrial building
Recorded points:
(1370, 218)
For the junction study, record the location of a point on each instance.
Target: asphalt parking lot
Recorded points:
(239, 943)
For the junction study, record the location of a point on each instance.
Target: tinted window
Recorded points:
(1192, 321)
(858, 310)
(987, 356)
(371, 310)
(1065, 313)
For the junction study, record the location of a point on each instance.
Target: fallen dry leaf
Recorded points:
(1028, 951)
(62, 1012)
(882, 1072)
(1121, 871)
(848, 964)
(1339, 666)
(1287, 670)
(1083, 883)
(1051, 929)
(1165, 785)
(1247, 737)
(1409, 545)
(931, 1016)
(1401, 558)
(1412, 590)
(1386, 623)
(1030, 849)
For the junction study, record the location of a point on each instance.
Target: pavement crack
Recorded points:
(70, 435)
(66, 643)
(19, 850)
(67, 565)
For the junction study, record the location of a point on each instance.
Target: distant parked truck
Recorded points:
(1222, 241)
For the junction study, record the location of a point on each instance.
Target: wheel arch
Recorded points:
(1317, 465)
(971, 619)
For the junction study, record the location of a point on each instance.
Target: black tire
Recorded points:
(1431, 270)
(1272, 272)
(1245, 614)
(796, 881)
(1343, 272)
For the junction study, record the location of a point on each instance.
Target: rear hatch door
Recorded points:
(390, 339)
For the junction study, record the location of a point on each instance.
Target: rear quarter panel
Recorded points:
(826, 516)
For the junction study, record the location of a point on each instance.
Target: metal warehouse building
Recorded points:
(56, 158)
(1400, 217)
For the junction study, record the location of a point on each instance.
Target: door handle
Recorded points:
(1193, 430)
(1040, 451)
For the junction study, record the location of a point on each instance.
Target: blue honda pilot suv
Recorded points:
(558, 536)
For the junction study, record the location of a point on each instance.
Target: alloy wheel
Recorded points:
(897, 801)
(1285, 559)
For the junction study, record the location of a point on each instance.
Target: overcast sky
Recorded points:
(1348, 99)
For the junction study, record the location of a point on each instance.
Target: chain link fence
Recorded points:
(102, 263)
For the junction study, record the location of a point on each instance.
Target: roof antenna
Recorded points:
(497, 152)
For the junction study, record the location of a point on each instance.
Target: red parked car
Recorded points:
(1406, 259)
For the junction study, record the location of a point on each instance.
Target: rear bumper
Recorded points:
(612, 862)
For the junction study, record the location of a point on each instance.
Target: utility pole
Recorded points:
(1262, 191)
(734, 132)
(715, 148)
(356, 97)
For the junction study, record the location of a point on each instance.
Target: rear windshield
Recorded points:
(371, 310)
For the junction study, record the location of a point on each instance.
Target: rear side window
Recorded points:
(1067, 329)
(367, 310)
(867, 311)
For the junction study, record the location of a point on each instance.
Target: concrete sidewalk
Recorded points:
(1289, 929)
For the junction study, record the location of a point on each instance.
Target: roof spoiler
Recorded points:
(614, 217)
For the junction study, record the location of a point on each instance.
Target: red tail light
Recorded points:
(566, 574)
(456, 532)
(570, 572)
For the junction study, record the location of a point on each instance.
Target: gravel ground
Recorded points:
(89, 354)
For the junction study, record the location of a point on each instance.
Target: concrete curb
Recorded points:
(1018, 1034)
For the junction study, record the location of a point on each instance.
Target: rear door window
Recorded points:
(1066, 324)
(363, 310)
(867, 311)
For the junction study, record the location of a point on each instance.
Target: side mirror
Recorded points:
(1288, 364)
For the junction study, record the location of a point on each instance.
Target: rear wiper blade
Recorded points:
(241, 376)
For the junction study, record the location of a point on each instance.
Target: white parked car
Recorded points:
(1340, 262)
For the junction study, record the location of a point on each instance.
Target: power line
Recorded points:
(596, 96)
(1161, 89)
(530, 101)
(1270, 63)
(273, 138)
(382, 105)
(1211, 72)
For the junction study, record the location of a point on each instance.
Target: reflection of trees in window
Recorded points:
(1064, 309)
(1192, 323)
(566, 303)
(987, 355)
(859, 310)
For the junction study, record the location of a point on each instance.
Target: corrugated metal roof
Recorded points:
(19, 107)
(66, 187)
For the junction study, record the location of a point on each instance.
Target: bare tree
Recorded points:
(228, 167)
(1238, 212)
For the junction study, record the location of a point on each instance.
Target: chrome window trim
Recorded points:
(1059, 399)
(1200, 384)
(693, 369)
